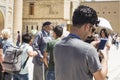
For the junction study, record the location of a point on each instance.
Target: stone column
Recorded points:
(17, 18)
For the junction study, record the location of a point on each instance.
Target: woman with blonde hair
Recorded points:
(6, 33)
(6, 42)
(6, 39)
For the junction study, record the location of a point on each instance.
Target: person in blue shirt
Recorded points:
(6, 42)
(39, 44)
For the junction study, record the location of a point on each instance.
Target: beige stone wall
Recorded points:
(6, 9)
(56, 11)
(109, 10)
(45, 9)
(1, 21)
(39, 22)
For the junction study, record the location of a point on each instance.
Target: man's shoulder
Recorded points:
(52, 42)
(39, 34)
(57, 43)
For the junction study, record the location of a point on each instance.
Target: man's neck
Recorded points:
(78, 31)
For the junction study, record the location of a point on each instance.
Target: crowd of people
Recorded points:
(73, 57)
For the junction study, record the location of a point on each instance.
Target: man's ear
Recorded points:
(86, 26)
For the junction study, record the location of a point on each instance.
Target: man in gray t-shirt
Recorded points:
(76, 59)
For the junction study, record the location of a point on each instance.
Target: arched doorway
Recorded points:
(1, 21)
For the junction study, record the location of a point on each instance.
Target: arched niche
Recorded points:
(1, 21)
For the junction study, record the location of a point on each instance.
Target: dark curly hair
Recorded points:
(105, 31)
(58, 30)
(84, 14)
(26, 38)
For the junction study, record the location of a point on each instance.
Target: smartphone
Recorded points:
(102, 44)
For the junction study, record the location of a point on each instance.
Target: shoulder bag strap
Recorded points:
(23, 66)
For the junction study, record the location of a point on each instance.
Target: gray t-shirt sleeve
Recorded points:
(93, 60)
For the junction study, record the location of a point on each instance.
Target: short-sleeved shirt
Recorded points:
(26, 48)
(49, 48)
(75, 60)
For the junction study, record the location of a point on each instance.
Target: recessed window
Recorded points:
(31, 9)
(26, 29)
(32, 27)
(115, 12)
(37, 27)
